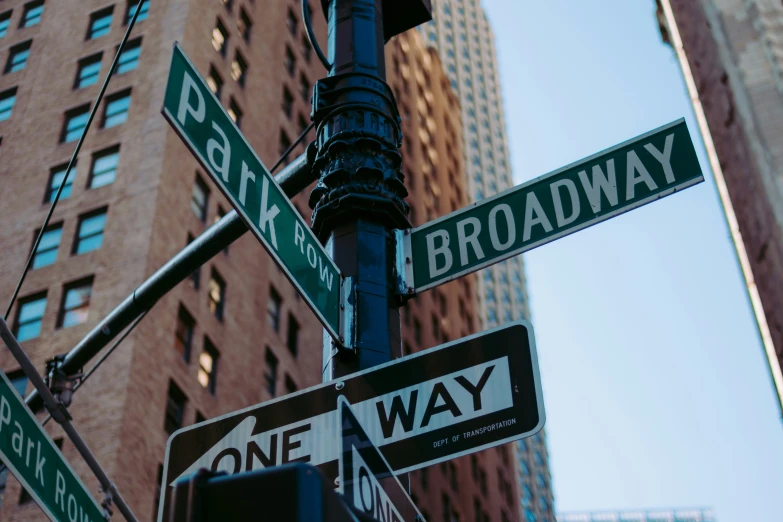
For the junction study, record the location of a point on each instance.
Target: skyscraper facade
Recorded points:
(657, 515)
(731, 55)
(236, 332)
(462, 34)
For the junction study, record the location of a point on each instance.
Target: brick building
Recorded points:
(236, 333)
(731, 55)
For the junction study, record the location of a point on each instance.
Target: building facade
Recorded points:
(461, 32)
(482, 486)
(679, 515)
(236, 332)
(731, 55)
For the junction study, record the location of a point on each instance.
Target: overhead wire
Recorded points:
(311, 35)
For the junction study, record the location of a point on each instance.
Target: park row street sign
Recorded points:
(36, 462)
(366, 480)
(213, 137)
(629, 175)
(465, 396)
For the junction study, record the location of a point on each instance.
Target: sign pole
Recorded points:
(359, 198)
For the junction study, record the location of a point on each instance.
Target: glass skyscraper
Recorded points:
(463, 37)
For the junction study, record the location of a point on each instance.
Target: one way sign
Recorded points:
(458, 398)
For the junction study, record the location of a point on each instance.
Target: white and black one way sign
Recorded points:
(465, 396)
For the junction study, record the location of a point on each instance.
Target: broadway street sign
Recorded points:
(464, 396)
(629, 175)
(37, 464)
(366, 480)
(215, 140)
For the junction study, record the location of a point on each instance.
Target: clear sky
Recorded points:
(656, 389)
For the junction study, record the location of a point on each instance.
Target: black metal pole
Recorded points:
(292, 179)
(359, 199)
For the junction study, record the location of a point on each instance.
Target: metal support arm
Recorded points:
(292, 179)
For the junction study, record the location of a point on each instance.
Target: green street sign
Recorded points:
(213, 137)
(35, 461)
(624, 177)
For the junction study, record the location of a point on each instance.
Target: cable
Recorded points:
(311, 35)
(291, 147)
(73, 160)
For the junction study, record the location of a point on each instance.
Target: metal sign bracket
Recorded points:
(404, 265)
(347, 314)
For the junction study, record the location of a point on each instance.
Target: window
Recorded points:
(288, 101)
(217, 295)
(5, 21)
(290, 61)
(129, 59)
(199, 198)
(285, 142)
(271, 372)
(17, 57)
(273, 309)
(32, 14)
(183, 335)
(301, 123)
(175, 408)
(132, 5)
(29, 314)
(446, 501)
(56, 177)
(100, 23)
(227, 4)
(243, 25)
(239, 69)
(18, 381)
(89, 235)
(75, 121)
(304, 88)
(116, 111)
(75, 305)
(195, 277)
(524, 467)
(7, 100)
(417, 332)
(290, 385)
(234, 112)
(424, 478)
(453, 476)
(220, 214)
(207, 366)
(291, 22)
(307, 50)
(220, 37)
(292, 339)
(214, 81)
(87, 71)
(46, 254)
(435, 326)
(104, 167)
